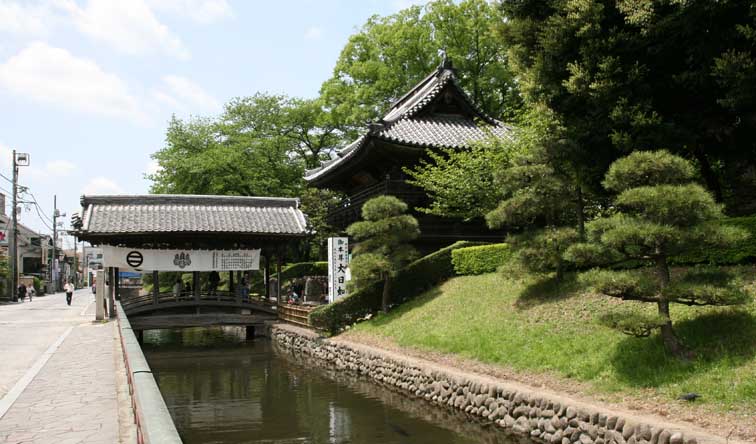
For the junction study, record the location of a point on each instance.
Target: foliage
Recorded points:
(480, 259)
(383, 243)
(315, 204)
(417, 277)
(293, 271)
(460, 183)
(739, 253)
(660, 212)
(37, 284)
(389, 55)
(501, 320)
(636, 75)
(259, 146)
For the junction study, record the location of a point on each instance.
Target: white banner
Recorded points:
(141, 259)
(338, 267)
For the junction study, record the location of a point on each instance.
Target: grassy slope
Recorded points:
(531, 325)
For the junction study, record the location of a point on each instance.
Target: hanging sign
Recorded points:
(338, 267)
(141, 259)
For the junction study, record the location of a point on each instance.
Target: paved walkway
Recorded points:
(60, 377)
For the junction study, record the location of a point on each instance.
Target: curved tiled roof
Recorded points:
(165, 213)
(404, 124)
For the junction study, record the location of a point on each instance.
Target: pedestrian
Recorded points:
(177, 287)
(187, 289)
(31, 292)
(245, 288)
(69, 289)
(21, 292)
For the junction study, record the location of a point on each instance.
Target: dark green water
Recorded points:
(221, 388)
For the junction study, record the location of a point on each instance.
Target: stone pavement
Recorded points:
(79, 393)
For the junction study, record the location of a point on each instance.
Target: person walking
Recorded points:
(21, 292)
(69, 289)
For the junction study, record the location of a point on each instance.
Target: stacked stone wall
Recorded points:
(544, 418)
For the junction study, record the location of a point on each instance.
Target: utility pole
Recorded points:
(12, 254)
(55, 245)
(19, 159)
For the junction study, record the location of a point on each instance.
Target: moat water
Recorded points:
(221, 388)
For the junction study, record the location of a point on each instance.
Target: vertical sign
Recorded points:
(338, 261)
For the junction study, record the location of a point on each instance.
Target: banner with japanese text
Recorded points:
(338, 267)
(142, 259)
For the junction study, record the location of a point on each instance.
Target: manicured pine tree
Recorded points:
(383, 243)
(660, 212)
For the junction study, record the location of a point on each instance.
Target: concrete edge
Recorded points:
(153, 420)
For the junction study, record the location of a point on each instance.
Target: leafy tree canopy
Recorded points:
(391, 54)
(638, 74)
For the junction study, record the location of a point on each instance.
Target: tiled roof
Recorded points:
(405, 125)
(438, 131)
(158, 213)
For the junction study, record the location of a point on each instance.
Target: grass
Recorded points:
(533, 325)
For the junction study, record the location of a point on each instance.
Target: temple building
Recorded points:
(433, 115)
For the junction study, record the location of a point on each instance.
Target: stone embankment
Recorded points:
(543, 417)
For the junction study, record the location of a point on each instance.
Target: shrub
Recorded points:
(411, 281)
(37, 283)
(480, 259)
(740, 253)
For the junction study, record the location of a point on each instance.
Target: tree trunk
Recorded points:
(671, 342)
(708, 174)
(386, 299)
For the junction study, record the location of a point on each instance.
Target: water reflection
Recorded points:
(222, 389)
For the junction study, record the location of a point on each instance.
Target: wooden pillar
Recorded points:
(231, 281)
(111, 293)
(117, 272)
(155, 286)
(196, 285)
(266, 277)
(278, 275)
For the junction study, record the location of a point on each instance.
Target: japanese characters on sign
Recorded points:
(338, 267)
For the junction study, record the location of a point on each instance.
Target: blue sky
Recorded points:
(87, 86)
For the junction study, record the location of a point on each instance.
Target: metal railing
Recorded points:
(153, 420)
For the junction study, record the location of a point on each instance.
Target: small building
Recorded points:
(434, 115)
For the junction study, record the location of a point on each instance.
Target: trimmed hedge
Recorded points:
(744, 252)
(480, 259)
(411, 281)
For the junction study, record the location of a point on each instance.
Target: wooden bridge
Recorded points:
(167, 310)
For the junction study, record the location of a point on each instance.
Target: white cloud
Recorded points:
(128, 26)
(181, 93)
(200, 11)
(313, 33)
(101, 185)
(24, 19)
(55, 76)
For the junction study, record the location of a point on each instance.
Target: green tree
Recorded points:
(391, 54)
(315, 204)
(383, 243)
(637, 74)
(660, 212)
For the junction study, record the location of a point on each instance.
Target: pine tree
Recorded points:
(660, 212)
(383, 243)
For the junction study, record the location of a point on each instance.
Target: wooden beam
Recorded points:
(278, 275)
(266, 277)
(155, 286)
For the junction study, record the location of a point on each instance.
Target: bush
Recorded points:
(741, 253)
(480, 259)
(411, 281)
(293, 271)
(37, 283)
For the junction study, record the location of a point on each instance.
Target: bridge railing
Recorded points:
(148, 301)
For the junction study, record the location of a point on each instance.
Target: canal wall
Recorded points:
(544, 417)
(153, 420)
